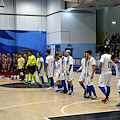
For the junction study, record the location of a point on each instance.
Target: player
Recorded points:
(40, 65)
(63, 78)
(49, 68)
(69, 72)
(31, 65)
(117, 66)
(90, 71)
(82, 79)
(20, 67)
(58, 72)
(25, 63)
(8, 63)
(105, 68)
(14, 70)
(1, 64)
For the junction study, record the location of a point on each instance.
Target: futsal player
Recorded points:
(14, 68)
(49, 69)
(40, 65)
(63, 70)
(82, 79)
(117, 67)
(20, 67)
(31, 65)
(58, 72)
(69, 72)
(1, 64)
(8, 63)
(105, 68)
(90, 71)
(25, 63)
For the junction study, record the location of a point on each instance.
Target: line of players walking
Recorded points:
(62, 67)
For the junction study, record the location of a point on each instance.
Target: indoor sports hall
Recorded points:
(59, 60)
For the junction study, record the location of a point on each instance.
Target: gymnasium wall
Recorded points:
(105, 18)
(46, 16)
(76, 31)
(23, 25)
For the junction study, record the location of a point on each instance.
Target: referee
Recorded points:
(31, 65)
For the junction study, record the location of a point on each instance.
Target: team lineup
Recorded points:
(61, 66)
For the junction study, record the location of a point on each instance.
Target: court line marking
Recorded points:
(62, 110)
(37, 103)
(47, 118)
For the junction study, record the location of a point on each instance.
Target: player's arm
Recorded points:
(40, 66)
(100, 67)
(93, 71)
(69, 69)
(81, 67)
(46, 66)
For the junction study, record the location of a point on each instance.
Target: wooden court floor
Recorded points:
(40, 103)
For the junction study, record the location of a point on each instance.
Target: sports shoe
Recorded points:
(65, 91)
(106, 99)
(57, 90)
(87, 96)
(12, 78)
(32, 82)
(118, 105)
(71, 93)
(85, 91)
(94, 97)
(50, 88)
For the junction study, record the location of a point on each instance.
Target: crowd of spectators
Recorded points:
(113, 44)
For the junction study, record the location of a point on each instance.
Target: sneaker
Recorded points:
(62, 91)
(71, 93)
(87, 96)
(85, 92)
(32, 82)
(50, 88)
(12, 78)
(106, 99)
(57, 90)
(94, 97)
(118, 105)
(65, 91)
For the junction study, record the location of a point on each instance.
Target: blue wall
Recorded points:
(10, 41)
(78, 49)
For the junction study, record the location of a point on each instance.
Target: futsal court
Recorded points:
(41, 103)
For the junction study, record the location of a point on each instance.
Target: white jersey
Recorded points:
(117, 67)
(82, 67)
(41, 62)
(90, 64)
(50, 68)
(106, 63)
(68, 63)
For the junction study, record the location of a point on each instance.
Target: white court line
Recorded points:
(62, 110)
(36, 103)
(46, 118)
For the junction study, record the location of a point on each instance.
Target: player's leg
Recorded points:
(48, 80)
(33, 73)
(27, 76)
(58, 86)
(64, 86)
(118, 88)
(88, 93)
(81, 82)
